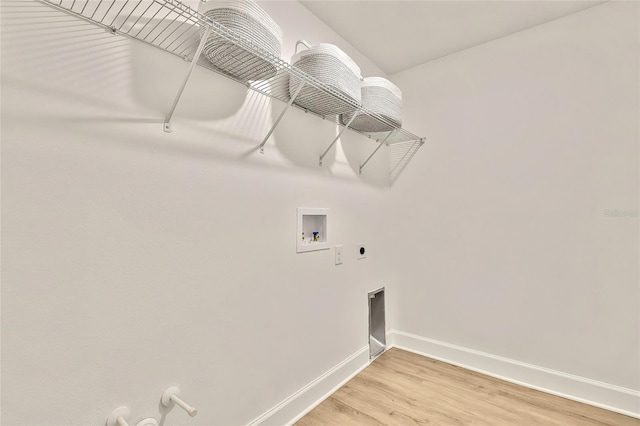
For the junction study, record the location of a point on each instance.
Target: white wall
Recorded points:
(134, 259)
(506, 245)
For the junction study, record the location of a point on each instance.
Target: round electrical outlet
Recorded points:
(362, 251)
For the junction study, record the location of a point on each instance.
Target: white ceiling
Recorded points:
(397, 35)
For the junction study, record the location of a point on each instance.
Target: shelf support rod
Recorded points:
(194, 61)
(284, 111)
(376, 150)
(326, 151)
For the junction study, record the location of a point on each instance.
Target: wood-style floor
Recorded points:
(401, 388)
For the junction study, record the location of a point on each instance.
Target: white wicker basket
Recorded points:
(332, 67)
(248, 21)
(381, 97)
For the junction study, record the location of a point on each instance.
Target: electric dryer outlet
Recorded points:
(362, 251)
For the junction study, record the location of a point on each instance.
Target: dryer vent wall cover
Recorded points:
(377, 326)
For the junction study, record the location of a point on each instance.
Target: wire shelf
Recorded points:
(178, 29)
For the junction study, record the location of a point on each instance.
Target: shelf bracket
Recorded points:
(194, 61)
(326, 151)
(376, 150)
(284, 111)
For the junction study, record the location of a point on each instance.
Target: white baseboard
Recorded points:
(306, 399)
(592, 392)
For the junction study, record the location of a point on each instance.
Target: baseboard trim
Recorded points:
(592, 392)
(307, 398)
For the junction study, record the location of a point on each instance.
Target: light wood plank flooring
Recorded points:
(401, 388)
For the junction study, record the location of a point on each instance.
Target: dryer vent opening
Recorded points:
(377, 330)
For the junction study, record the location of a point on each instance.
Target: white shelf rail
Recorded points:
(180, 30)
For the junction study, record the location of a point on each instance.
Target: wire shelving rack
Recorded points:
(180, 30)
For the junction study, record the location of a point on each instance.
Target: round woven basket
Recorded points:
(334, 69)
(381, 97)
(248, 21)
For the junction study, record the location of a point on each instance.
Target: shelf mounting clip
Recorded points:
(376, 150)
(194, 61)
